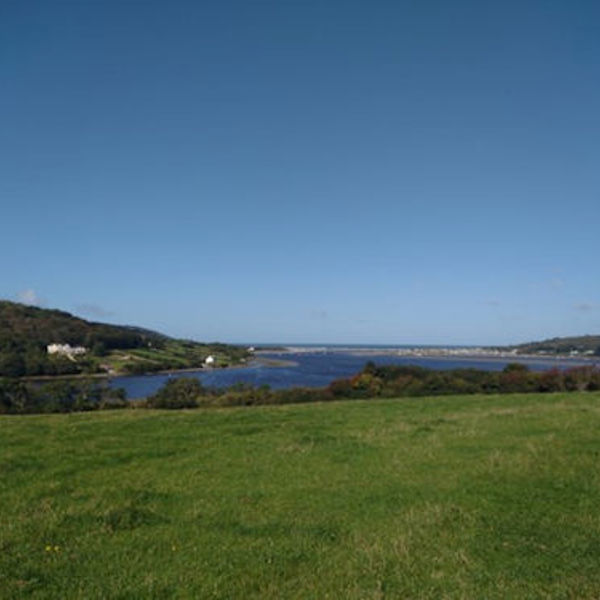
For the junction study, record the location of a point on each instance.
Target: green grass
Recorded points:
(454, 497)
(174, 355)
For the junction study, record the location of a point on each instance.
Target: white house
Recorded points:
(209, 360)
(65, 349)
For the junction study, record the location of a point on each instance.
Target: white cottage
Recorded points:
(65, 349)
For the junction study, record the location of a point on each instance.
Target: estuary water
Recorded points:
(319, 367)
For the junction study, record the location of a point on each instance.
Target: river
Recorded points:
(317, 368)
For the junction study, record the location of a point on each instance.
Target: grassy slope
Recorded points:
(174, 355)
(457, 497)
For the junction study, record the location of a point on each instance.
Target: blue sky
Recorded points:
(286, 171)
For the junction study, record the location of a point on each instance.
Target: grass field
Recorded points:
(454, 497)
(174, 354)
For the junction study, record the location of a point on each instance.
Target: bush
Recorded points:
(17, 397)
(183, 392)
(578, 379)
(14, 396)
(551, 381)
(113, 398)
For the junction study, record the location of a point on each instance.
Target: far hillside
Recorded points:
(584, 344)
(78, 346)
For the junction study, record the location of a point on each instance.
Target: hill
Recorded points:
(584, 344)
(27, 331)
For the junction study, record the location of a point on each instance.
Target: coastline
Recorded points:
(480, 354)
(256, 362)
(260, 360)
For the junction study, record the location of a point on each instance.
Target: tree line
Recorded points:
(387, 381)
(18, 397)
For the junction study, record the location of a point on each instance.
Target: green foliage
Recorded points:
(26, 331)
(585, 344)
(373, 382)
(12, 364)
(14, 396)
(184, 392)
(60, 396)
(389, 380)
(39, 326)
(380, 382)
(99, 348)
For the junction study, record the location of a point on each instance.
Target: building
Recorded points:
(65, 349)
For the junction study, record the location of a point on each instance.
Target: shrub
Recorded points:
(551, 381)
(14, 396)
(183, 392)
(578, 378)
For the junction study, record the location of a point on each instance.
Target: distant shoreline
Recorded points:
(436, 352)
(260, 359)
(255, 362)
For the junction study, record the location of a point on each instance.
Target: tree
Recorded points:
(183, 392)
(12, 365)
(99, 349)
(14, 397)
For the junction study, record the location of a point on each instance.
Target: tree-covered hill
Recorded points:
(22, 324)
(26, 331)
(584, 344)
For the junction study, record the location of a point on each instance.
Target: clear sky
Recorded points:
(305, 171)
